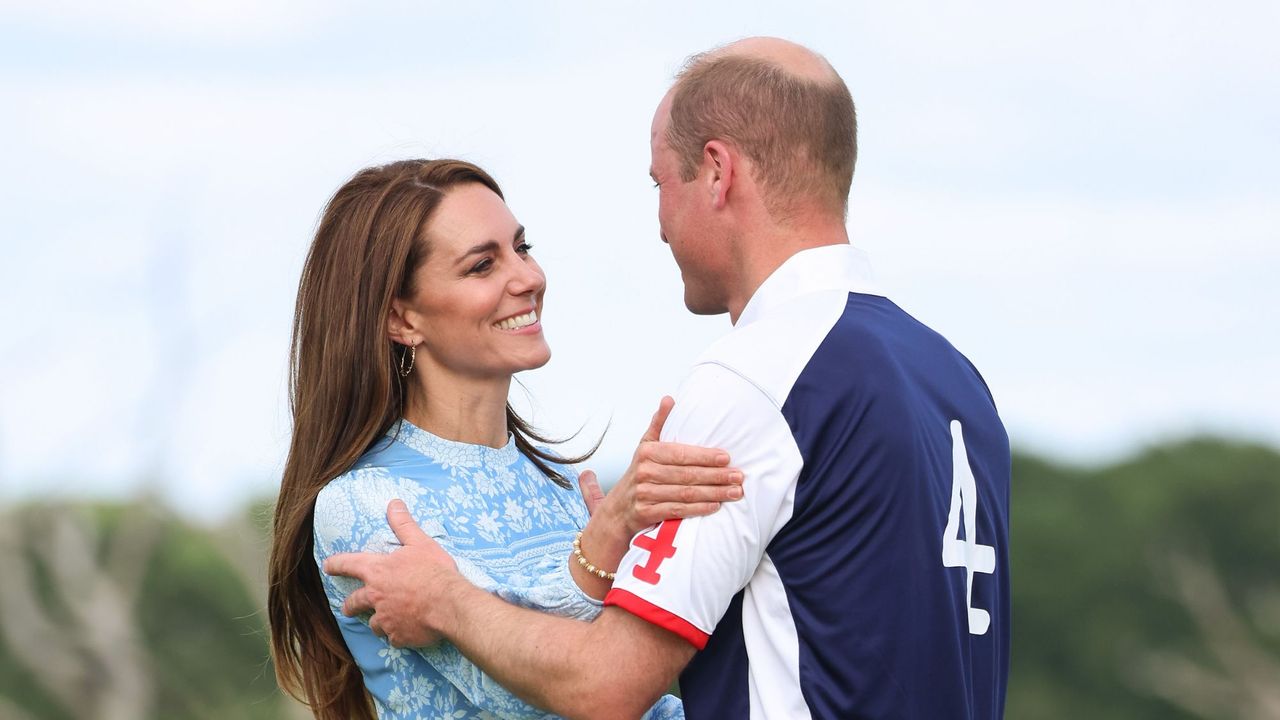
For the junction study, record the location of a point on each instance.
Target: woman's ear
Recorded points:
(399, 327)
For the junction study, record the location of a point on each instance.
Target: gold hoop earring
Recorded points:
(412, 355)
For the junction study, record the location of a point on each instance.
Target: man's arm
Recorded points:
(615, 667)
(681, 586)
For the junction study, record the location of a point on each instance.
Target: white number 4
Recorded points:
(966, 553)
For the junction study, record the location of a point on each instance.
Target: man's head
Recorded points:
(759, 132)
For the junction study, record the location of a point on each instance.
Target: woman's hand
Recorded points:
(665, 480)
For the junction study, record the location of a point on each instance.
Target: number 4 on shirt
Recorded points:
(660, 548)
(966, 552)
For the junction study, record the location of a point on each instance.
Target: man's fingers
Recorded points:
(592, 495)
(659, 419)
(403, 524)
(669, 453)
(356, 603)
(351, 565)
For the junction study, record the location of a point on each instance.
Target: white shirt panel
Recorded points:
(715, 556)
(773, 645)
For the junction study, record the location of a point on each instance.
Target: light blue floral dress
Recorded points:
(508, 527)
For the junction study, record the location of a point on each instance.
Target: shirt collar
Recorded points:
(831, 267)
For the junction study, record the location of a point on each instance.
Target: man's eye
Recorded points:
(524, 248)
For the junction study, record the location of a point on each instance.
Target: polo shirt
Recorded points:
(865, 573)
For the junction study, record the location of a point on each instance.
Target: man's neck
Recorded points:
(763, 253)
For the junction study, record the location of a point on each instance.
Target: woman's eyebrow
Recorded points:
(484, 247)
(490, 246)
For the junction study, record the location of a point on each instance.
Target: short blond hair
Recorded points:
(800, 134)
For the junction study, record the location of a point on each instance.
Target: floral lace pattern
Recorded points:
(508, 527)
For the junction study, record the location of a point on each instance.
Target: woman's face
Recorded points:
(478, 297)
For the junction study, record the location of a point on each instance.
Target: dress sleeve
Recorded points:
(553, 589)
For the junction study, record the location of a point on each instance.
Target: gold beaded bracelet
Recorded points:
(584, 562)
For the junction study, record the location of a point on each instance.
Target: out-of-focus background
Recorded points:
(1082, 197)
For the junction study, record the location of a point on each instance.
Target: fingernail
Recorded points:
(735, 492)
(735, 477)
(722, 459)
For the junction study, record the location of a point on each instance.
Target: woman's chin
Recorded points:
(539, 361)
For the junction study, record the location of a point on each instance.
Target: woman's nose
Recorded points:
(528, 279)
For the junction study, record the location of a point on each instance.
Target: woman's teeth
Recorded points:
(518, 321)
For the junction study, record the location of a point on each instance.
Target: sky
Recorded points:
(1082, 197)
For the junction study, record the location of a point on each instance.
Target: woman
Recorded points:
(418, 301)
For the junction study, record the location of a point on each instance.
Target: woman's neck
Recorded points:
(465, 410)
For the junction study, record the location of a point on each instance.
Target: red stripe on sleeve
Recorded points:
(646, 610)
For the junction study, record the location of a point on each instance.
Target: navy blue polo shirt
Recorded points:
(865, 574)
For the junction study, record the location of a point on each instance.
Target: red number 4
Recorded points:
(660, 548)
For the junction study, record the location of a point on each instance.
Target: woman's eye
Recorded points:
(524, 248)
(481, 266)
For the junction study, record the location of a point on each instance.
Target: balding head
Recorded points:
(797, 60)
(783, 106)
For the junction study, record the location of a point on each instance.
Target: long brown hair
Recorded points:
(345, 394)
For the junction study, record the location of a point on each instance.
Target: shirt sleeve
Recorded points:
(682, 574)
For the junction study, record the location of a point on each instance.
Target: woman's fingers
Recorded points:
(677, 478)
(668, 453)
(659, 419)
(592, 495)
(665, 511)
(678, 475)
(654, 494)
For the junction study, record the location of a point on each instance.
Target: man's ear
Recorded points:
(717, 162)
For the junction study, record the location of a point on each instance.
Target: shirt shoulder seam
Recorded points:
(745, 378)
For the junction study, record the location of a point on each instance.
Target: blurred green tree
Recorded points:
(1146, 589)
(125, 611)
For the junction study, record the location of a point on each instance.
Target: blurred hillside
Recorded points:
(1146, 589)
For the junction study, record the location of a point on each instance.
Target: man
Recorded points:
(865, 573)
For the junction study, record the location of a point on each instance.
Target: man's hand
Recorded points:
(407, 590)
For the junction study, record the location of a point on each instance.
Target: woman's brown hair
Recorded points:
(345, 394)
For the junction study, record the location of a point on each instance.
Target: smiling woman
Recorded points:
(477, 296)
(418, 302)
